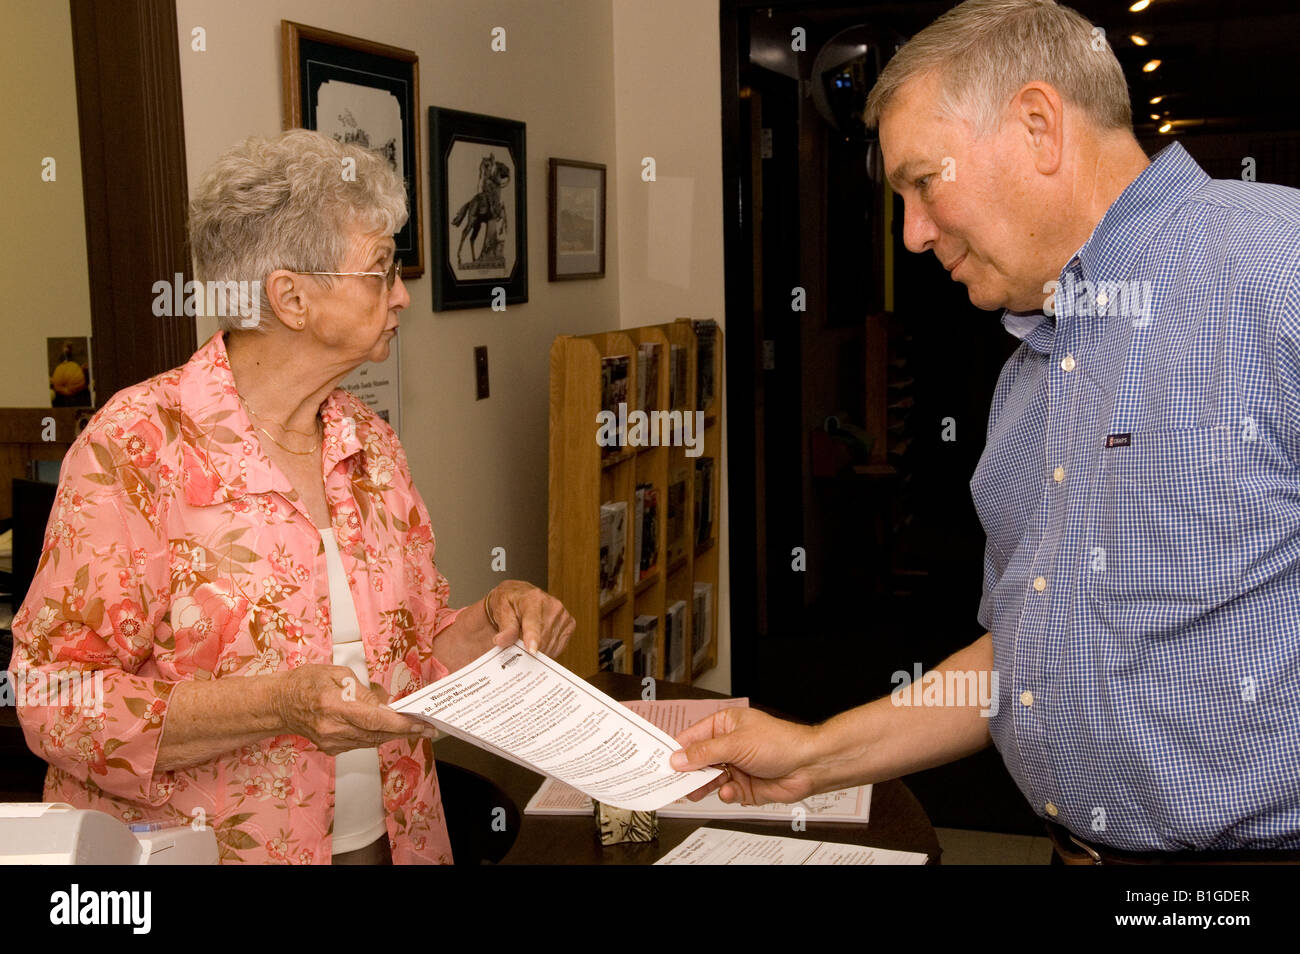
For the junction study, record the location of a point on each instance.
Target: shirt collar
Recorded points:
(1146, 203)
(1034, 328)
(1121, 236)
(223, 456)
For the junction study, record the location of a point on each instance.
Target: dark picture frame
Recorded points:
(575, 220)
(353, 75)
(479, 224)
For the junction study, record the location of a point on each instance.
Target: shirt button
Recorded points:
(1040, 584)
(1067, 363)
(1059, 474)
(1026, 698)
(1050, 809)
(1102, 299)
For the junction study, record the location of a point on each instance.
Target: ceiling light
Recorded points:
(1166, 127)
(1150, 66)
(1155, 99)
(1139, 6)
(1139, 40)
(1155, 115)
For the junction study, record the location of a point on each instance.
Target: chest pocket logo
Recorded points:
(1168, 514)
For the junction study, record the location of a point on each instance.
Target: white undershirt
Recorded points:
(358, 788)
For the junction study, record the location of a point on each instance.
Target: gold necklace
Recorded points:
(310, 450)
(288, 430)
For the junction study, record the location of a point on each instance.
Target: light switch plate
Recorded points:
(481, 371)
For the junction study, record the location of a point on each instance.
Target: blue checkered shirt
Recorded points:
(1140, 493)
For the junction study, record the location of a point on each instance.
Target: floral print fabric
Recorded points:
(177, 550)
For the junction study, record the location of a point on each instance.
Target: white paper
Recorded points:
(674, 716)
(712, 846)
(848, 805)
(532, 710)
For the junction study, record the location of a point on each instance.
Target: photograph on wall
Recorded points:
(69, 364)
(366, 93)
(480, 236)
(576, 220)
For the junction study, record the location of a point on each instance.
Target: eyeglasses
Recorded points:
(389, 277)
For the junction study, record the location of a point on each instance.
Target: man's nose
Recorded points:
(919, 232)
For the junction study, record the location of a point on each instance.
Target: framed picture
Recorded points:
(576, 220)
(362, 92)
(480, 228)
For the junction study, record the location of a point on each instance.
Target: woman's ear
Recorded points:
(289, 297)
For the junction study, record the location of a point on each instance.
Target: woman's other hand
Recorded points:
(334, 709)
(522, 611)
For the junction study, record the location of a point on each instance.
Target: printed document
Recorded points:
(712, 846)
(531, 710)
(672, 716)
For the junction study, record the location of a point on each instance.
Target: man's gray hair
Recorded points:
(287, 201)
(984, 51)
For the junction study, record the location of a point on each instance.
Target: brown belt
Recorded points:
(1073, 850)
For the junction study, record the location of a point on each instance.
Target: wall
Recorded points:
(44, 282)
(667, 71)
(481, 465)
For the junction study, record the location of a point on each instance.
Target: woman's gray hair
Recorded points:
(286, 201)
(984, 51)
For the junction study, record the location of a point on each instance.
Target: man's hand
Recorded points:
(767, 759)
(525, 612)
(336, 711)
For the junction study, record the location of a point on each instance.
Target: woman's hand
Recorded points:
(522, 611)
(765, 757)
(333, 708)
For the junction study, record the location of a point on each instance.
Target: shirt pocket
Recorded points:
(1167, 518)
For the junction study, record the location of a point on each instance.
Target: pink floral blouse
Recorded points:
(177, 550)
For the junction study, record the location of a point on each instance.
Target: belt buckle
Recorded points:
(1092, 852)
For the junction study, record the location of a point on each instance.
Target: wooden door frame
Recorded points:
(127, 57)
(127, 63)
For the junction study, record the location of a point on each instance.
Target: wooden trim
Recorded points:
(134, 180)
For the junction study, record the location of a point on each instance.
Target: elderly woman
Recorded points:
(238, 546)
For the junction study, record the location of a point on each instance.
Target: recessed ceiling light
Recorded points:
(1166, 127)
(1155, 99)
(1139, 6)
(1150, 66)
(1139, 40)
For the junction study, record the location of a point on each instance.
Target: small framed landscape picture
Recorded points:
(361, 92)
(477, 175)
(576, 220)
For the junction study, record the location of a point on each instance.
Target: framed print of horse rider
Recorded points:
(480, 230)
(366, 93)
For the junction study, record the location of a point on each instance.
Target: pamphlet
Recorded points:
(851, 805)
(712, 846)
(531, 710)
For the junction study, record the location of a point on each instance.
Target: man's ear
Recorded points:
(288, 294)
(1039, 113)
